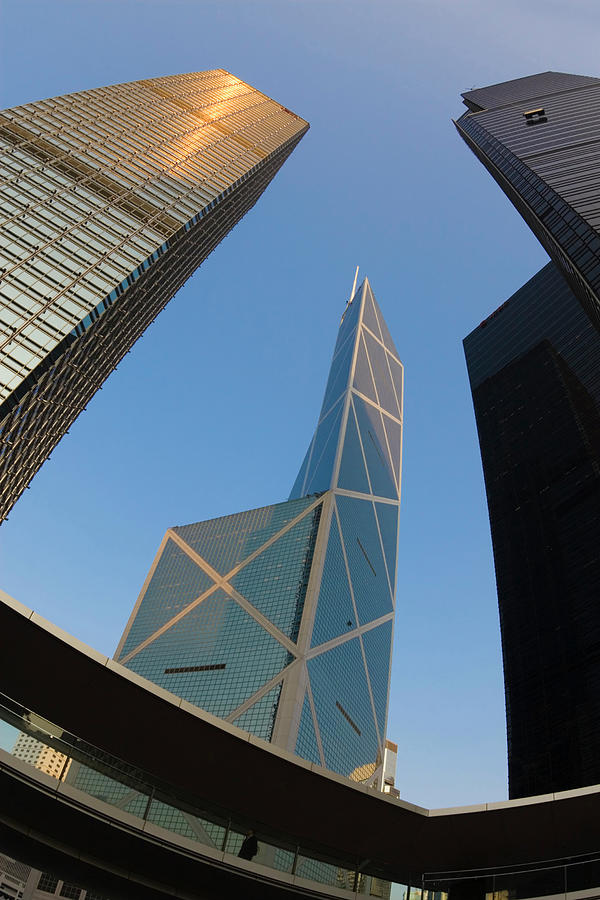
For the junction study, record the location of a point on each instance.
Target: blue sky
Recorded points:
(212, 411)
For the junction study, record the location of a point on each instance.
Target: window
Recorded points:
(47, 883)
(70, 890)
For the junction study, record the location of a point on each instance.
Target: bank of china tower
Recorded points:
(280, 619)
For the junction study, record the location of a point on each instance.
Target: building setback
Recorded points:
(534, 368)
(110, 200)
(280, 619)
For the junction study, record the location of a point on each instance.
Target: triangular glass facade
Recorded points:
(298, 597)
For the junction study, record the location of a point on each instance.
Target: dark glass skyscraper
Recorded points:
(280, 619)
(534, 367)
(110, 200)
(538, 137)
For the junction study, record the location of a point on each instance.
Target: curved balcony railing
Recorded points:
(201, 784)
(109, 779)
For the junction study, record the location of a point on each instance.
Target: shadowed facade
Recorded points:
(534, 366)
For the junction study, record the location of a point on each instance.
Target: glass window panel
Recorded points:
(365, 558)
(260, 717)
(326, 443)
(379, 465)
(226, 541)
(349, 320)
(387, 515)
(363, 379)
(397, 371)
(378, 646)
(106, 789)
(394, 436)
(176, 582)
(324, 873)
(383, 379)
(339, 375)
(276, 581)
(352, 475)
(218, 634)
(47, 883)
(186, 824)
(335, 612)
(369, 315)
(344, 710)
(306, 743)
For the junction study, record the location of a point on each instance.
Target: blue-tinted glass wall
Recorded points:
(355, 455)
(217, 621)
(280, 619)
(534, 367)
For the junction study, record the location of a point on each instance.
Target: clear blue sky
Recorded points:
(211, 412)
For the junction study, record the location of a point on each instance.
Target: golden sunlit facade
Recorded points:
(110, 199)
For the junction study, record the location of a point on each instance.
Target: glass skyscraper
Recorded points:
(110, 200)
(538, 137)
(280, 619)
(534, 367)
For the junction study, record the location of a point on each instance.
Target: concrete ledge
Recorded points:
(524, 801)
(16, 605)
(459, 810)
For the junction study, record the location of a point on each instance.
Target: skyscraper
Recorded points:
(534, 368)
(280, 619)
(538, 138)
(110, 200)
(41, 756)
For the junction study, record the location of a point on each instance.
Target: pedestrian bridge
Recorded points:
(181, 788)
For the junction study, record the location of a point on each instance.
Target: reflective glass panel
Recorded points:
(344, 710)
(306, 743)
(352, 475)
(176, 581)
(260, 717)
(183, 823)
(365, 558)
(324, 452)
(324, 872)
(339, 375)
(275, 581)
(107, 789)
(370, 316)
(378, 647)
(217, 656)
(226, 541)
(335, 613)
(363, 379)
(394, 435)
(375, 448)
(387, 515)
(383, 378)
(397, 376)
(349, 319)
